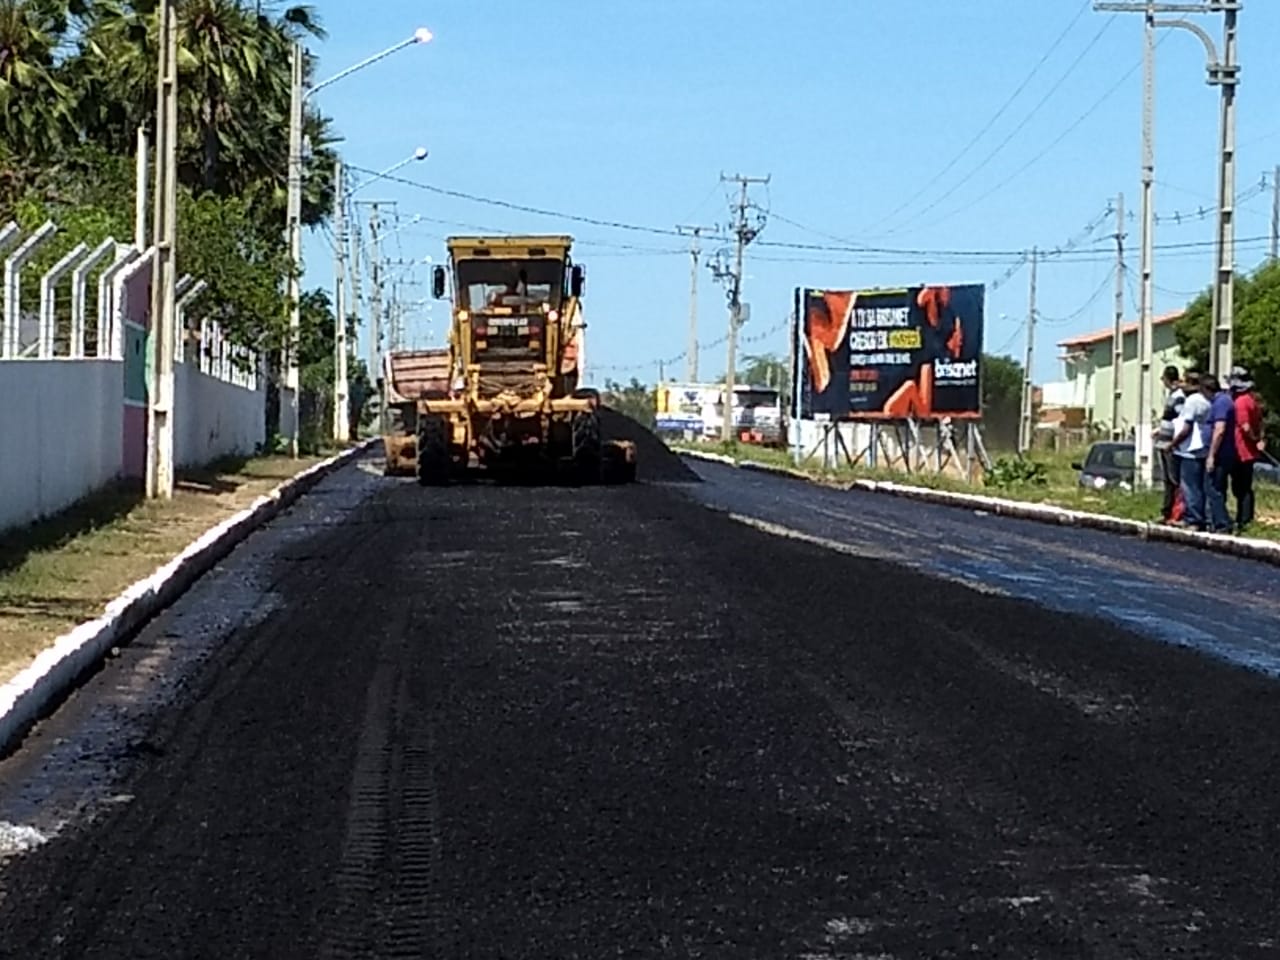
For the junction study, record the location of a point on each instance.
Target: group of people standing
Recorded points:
(1210, 437)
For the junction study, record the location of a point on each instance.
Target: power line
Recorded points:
(1111, 91)
(1086, 306)
(911, 255)
(524, 208)
(1016, 130)
(990, 123)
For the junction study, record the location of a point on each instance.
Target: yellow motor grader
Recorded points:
(515, 406)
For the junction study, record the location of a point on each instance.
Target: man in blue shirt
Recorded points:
(1222, 453)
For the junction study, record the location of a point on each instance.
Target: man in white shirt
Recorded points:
(1190, 444)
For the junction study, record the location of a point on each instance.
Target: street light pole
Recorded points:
(341, 408)
(298, 95)
(1223, 73)
(294, 218)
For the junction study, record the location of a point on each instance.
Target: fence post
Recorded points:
(79, 293)
(10, 335)
(48, 302)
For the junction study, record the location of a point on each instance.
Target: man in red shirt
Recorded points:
(1249, 443)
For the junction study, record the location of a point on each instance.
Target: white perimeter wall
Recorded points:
(214, 418)
(61, 429)
(61, 423)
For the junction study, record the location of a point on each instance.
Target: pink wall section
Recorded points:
(134, 438)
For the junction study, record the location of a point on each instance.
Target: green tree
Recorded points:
(1001, 399)
(766, 370)
(635, 400)
(1257, 330)
(35, 101)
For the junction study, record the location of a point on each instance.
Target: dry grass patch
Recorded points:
(62, 571)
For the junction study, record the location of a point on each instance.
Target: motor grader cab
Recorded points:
(515, 404)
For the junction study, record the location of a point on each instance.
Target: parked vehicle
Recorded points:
(1110, 465)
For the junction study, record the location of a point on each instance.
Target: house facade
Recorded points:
(1089, 374)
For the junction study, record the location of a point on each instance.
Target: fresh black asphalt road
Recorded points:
(501, 722)
(1224, 606)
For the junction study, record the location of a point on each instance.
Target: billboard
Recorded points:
(890, 354)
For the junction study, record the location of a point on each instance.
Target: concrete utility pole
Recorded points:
(744, 233)
(294, 218)
(357, 288)
(1275, 214)
(1226, 74)
(695, 252)
(375, 297)
(341, 409)
(298, 95)
(1117, 335)
(1025, 425)
(164, 307)
(1223, 72)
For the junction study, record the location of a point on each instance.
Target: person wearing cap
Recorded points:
(1249, 443)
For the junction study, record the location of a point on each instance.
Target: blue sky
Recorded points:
(629, 112)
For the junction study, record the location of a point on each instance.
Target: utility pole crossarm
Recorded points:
(1139, 7)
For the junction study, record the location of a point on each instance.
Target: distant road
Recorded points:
(1220, 605)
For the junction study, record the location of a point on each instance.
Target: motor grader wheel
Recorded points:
(587, 448)
(618, 462)
(434, 463)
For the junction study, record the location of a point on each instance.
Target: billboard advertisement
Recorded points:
(890, 354)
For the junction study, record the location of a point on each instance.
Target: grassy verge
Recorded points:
(62, 571)
(1060, 488)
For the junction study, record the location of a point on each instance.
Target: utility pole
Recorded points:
(1143, 442)
(1275, 214)
(164, 307)
(375, 297)
(695, 252)
(1226, 74)
(1117, 336)
(744, 233)
(1223, 72)
(357, 290)
(341, 409)
(1025, 425)
(294, 217)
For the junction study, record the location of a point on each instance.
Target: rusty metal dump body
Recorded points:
(409, 376)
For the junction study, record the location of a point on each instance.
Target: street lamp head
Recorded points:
(420, 153)
(422, 35)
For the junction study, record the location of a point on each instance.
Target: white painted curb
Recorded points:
(55, 670)
(1249, 548)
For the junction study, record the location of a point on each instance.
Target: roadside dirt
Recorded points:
(63, 571)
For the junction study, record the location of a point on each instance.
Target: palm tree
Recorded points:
(35, 103)
(234, 86)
